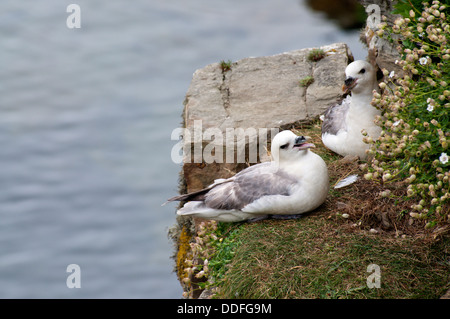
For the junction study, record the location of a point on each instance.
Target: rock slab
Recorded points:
(264, 92)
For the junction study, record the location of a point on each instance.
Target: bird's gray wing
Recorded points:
(249, 185)
(334, 117)
(200, 194)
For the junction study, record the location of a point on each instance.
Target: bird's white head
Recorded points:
(360, 78)
(287, 146)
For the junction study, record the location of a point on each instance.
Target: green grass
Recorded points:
(225, 248)
(225, 66)
(306, 81)
(314, 258)
(316, 55)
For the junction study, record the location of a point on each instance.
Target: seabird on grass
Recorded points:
(294, 182)
(343, 122)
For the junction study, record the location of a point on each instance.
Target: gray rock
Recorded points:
(380, 51)
(264, 92)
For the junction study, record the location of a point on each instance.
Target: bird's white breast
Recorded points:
(360, 116)
(309, 193)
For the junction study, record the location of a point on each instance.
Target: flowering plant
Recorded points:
(413, 147)
(211, 251)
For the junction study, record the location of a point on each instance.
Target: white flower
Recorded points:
(396, 123)
(430, 108)
(424, 60)
(391, 75)
(443, 158)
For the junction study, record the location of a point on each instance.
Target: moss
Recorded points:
(183, 252)
(306, 81)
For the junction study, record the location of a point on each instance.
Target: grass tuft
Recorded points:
(316, 55)
(225, 66)
(306, 81)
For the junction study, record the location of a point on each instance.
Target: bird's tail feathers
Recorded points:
(192, 208)
(188, 197)
(197, 195)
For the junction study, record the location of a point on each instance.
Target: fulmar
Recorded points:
(343, 122)
(295, 181)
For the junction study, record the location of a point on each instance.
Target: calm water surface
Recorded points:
(85, 122)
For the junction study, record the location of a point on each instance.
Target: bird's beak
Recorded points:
(349, 84)
(301, 144)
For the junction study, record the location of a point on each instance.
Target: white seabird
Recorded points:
(343, 123)
(294, 182)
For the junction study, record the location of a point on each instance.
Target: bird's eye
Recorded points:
(284, 146)
(362, 71)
